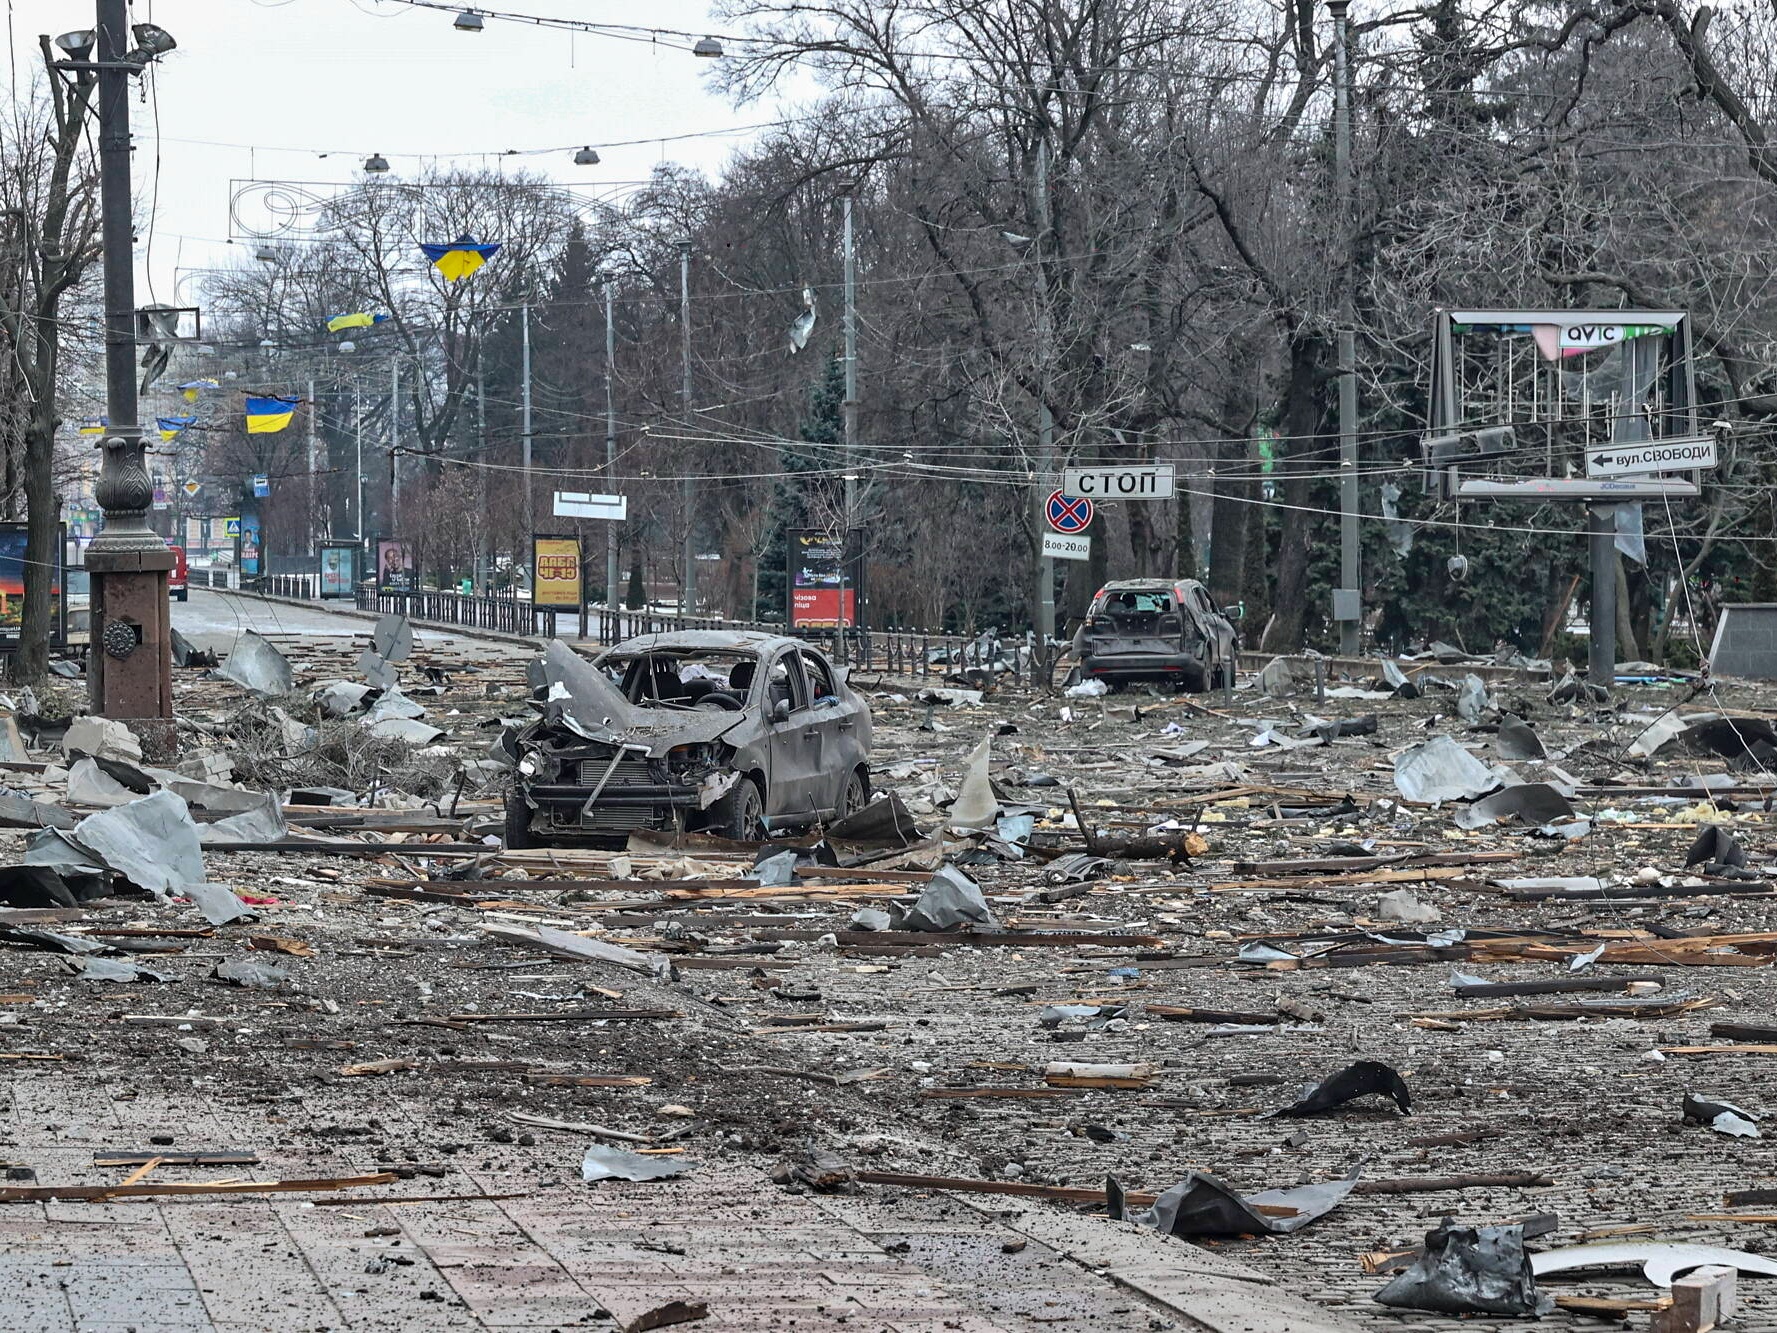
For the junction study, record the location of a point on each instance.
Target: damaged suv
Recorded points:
(1157, 630)
(703, 730)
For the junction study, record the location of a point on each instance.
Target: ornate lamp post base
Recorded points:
(129, 665)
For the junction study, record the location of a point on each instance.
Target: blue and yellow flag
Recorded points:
(340, 323)
(94, 425)
(268, 416)
(171, 428)
(191, 388)
(460, 257)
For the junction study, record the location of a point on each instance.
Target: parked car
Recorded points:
(702, 730)
(179, 578)
(1157, 630)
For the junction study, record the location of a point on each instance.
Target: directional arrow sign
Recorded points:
(1683, 454)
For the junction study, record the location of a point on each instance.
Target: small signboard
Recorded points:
(1062, 546)
(261, 485)
(1635, 457)
(231, 527)
(556, 562)
(1148, 481)
(583, 504)
(193, 487)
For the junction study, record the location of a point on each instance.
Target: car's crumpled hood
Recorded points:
(582, 700)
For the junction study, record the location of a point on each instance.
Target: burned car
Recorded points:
(703, 730)
(1158, 630)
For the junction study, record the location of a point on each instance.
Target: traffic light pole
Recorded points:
(130, 662)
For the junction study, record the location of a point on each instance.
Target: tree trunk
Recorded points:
(30, 664)
(1301, 429)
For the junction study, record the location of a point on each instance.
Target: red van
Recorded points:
(179, 575)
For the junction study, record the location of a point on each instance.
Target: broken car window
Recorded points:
(685, 679)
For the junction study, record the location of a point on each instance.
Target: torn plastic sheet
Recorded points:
(564, 944)
(1363, 1079)
(1275, 679)
(602, 1163)
(1076, 868)
(1396, 681)
(255, 665)
(1470, 1270)
(1396, 529)
(885, 822)
(1528, 802)
(406, 729)
(1403, 905)
(1631, 536)
(52, 940)
(88, 784)
(393, 703)
(340, 698)
(112, 969)
(1201, 1205)
(870, 918)
(188, 654)
(976, 805)
(84, 874)
(218, 904)
(1471, 699)
(151, 842)
(253, 974)
(1722, 1117)
(1517, 741)
(774, 870)
(949, 901)
(1441, 770)
(34, 886)
(1254, 952)
(1715, 847)
(263, 823)
(1659, 1261)
(392, 639)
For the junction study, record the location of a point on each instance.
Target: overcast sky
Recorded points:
(261, 89)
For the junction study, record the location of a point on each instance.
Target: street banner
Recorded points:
(556, 562)
(397, 567)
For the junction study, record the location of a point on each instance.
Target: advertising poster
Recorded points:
(12, 589)
(397, 568)
(556, 561)
(825, 578)
(250, 544)
(337, 569)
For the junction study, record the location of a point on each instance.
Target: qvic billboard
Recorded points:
(826, 583)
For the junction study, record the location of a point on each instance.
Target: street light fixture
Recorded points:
(586, 157)
(376, 164)
(707, 47)
(151, 40)
(77, 45)
(468, 21)
(266, 254)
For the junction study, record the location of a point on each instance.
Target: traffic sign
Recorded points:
(1068, 513)
(1602, 490)
(1149, 481)
(1059, 546)
(231, 527)
(261, 485)
(582, 504)
(193, 487)
(1677, 455)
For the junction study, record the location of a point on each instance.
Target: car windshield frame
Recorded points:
(619, 665)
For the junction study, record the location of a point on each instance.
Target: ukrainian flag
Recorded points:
(460, 257)
(94, 425)
(340, 323)
(191, 388)
(171, 428)
(268, 416)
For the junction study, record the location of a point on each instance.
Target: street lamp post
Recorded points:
(130, 666)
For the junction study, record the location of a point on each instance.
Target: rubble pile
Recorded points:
(1439, 992)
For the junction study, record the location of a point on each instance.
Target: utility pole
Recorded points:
(524, 425)
(393, 519)
(358, 423)
(1348, 597)
(610, 439)
(1045, 421)
(687, 485)
(314, 467)
(480, 571)
(131, 661)
(849, 409)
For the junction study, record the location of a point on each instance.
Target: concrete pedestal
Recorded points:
(129, 665)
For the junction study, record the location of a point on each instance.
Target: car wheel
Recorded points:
(1193, 680)
(518, 823)
(184, 594)
(740, 815)
(856, 794)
